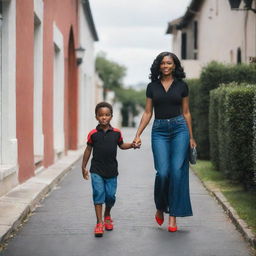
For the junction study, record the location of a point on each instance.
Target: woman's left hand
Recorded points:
(193, 143)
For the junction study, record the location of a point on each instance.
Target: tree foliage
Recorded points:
(110, 72)
(112, 75)
(130, 99)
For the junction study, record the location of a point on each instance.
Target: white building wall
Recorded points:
(87, 87)
(221, 31)
(176, 43)
(192, 68)
(8, 150)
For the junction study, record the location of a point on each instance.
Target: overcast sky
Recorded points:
(132, 32)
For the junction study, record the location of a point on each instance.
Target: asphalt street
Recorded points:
(63, 224)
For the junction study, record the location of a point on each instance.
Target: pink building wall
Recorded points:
(24, 87)
(65, 15)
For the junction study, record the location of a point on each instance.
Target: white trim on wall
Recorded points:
(39, 9)
(58, 91)
(38, 79)
(87, 84)
(9, 155)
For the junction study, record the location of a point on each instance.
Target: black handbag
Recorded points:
(192, 155)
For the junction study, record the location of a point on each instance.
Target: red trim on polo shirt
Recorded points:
(89, 137)
(120, 140)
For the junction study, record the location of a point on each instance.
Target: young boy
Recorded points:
(104, 140)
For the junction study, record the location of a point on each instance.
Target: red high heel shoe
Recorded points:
(159, 221)
(172, 229)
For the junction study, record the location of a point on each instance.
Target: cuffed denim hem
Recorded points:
(104, 190)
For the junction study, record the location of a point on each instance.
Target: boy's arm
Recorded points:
(126, 146)
(123, 145)
(87, 154)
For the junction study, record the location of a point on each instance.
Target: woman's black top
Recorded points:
(167, 104)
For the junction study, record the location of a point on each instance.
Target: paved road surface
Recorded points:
(63, 224)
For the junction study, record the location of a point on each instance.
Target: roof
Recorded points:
(173, 24)
(183, 21)
(89, 18)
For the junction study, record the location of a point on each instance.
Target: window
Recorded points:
(184, 46)
(195, 40)
(231, 56)
(239, 56)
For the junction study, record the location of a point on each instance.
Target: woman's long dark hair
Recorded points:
(155, 67)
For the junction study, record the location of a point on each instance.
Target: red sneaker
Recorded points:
(99, 230)
(108, 222)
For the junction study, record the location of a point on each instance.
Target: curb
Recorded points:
(18, 203)
(240, 224)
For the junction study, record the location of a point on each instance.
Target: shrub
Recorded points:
(254, 140)
(222, 128)
(235, 124)
(211, 77)
(213, 127)
(240, 103)
(194, 85)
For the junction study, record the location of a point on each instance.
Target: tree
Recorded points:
(110, 72)
(112, 75)
(130, 99)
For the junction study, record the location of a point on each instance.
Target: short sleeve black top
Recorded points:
(104, 145)
(167, 104)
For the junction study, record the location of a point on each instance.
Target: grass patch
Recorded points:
(244, 202)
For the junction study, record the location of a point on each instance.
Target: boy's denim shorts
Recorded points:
(104, 189)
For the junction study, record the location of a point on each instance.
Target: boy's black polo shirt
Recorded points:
(104, 145)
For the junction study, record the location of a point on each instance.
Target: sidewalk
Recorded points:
(19, 202)
(63, 223)
(240, 224)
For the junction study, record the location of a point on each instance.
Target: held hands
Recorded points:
(136, 142)
(85, 174)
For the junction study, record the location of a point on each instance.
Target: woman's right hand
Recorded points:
(137, 142)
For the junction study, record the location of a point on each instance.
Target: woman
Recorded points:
(171, 137)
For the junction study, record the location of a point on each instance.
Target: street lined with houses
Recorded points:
(64, 221)
(53, 73)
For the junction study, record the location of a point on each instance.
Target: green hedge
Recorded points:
(211, 77)
(217, 121)
(213, 127)
(194, 85)
(232, 110)
(254, 140)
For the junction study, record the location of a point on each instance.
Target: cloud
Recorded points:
(130, 13)
(132, 32)
(139, 37)
(137, 60)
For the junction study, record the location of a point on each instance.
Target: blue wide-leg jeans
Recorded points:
(170, 146)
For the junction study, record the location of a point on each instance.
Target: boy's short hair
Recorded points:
(103, 105)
